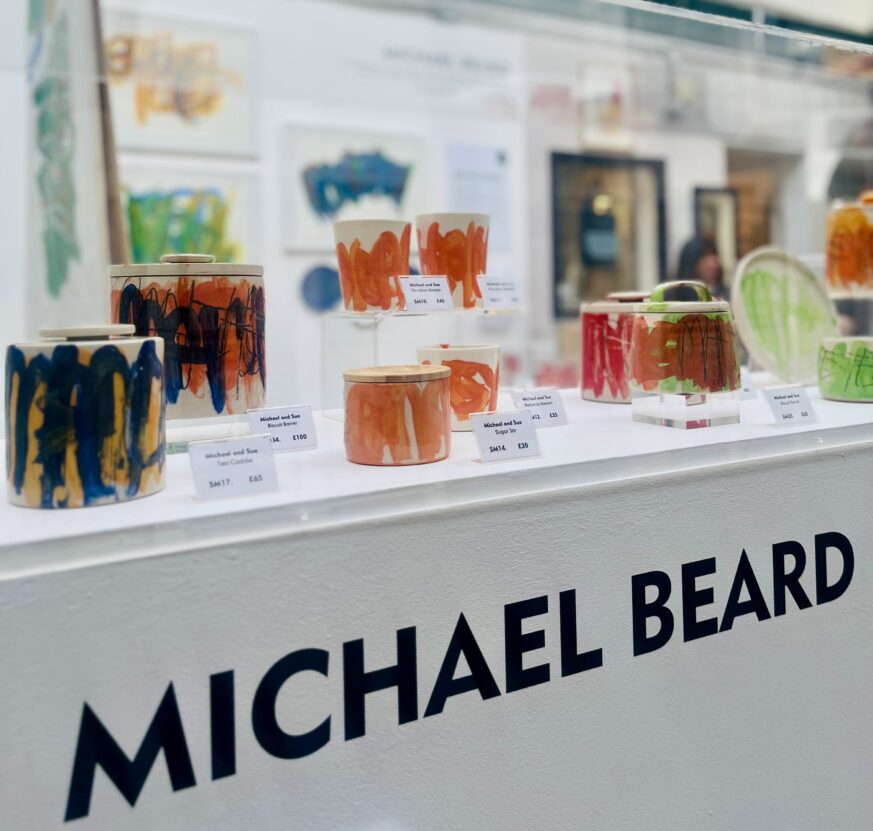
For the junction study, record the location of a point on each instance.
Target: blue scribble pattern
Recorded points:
(330, 187)
(82, 404)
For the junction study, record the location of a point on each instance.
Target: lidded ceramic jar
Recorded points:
(84, 418)
(606, 335)
(212, 319)
(474, 380)
(845, 369)
(372, 255)
(397, 415)
(455, 245)
(683, 346)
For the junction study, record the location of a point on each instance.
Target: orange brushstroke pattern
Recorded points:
(692, 354)
(473, 388)
(398, 424)
(849, 249)
(213, 331)
(370, 279)
(460, 256)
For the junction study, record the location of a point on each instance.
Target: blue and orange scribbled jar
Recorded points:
(212, 318)
(85, 415)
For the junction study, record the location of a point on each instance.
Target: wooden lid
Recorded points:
(409, 374)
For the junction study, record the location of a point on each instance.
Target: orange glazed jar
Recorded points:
(397, 415)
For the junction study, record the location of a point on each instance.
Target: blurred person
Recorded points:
(699, 261)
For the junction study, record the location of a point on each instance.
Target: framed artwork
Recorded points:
(172, 208)
(606, 104)
(180, 85)
(609, 227)
(334, 174)
(716, 217)
(74, 224)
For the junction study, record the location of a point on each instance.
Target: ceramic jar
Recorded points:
(849, 250)
(606, 335)
(212, 319)
(455, 245)
(397, 415)
(474, 380)
(84, 418)
(845, 369)
(685, 347)
(372, 254)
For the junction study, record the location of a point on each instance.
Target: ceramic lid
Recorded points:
(605, 307)
(628, 296)
(408, 374)
(680, 307)
(187, 265)
(681, 291)
(117, 330)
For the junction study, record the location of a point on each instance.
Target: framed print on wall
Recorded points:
(331, 174)
(174, 208)
(180, 84)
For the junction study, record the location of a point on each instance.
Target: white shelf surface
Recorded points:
(600, 445)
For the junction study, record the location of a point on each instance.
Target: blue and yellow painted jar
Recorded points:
(85, 412)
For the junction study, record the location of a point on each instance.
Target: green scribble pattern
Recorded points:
(183, 221)
(845, 371)
(55, 140)
(786, 320)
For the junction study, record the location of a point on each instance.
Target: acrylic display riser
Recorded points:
(352, 340)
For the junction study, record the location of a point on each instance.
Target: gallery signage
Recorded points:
(660, 604)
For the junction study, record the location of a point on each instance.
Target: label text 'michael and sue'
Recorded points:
(653, 625)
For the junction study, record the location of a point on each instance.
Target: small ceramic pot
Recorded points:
(372, 255)
(455, 245)
(397, 415)
(685, 347)
(606, 335)
(212, 319)
(849, 251)
(84, 418)
(474, 381)
(845, 369)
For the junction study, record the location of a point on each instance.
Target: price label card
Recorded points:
(288, 428)
(508, 435)
(426, 294)
(790, 405)
(233, 467)
(499, 293)
(749, 390)
(546, 407)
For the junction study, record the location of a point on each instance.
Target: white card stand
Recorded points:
(352, 340)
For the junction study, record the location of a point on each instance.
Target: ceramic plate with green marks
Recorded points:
(782, 313)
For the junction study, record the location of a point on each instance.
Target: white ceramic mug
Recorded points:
(455, 245)
(372, 254)
(474, 381)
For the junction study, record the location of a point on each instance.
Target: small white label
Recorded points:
(749, 391)
(232, 467)
(426, 294)
(499, 293)
(790, 405)
(546, 406)
(289, 428)
(508, 435)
